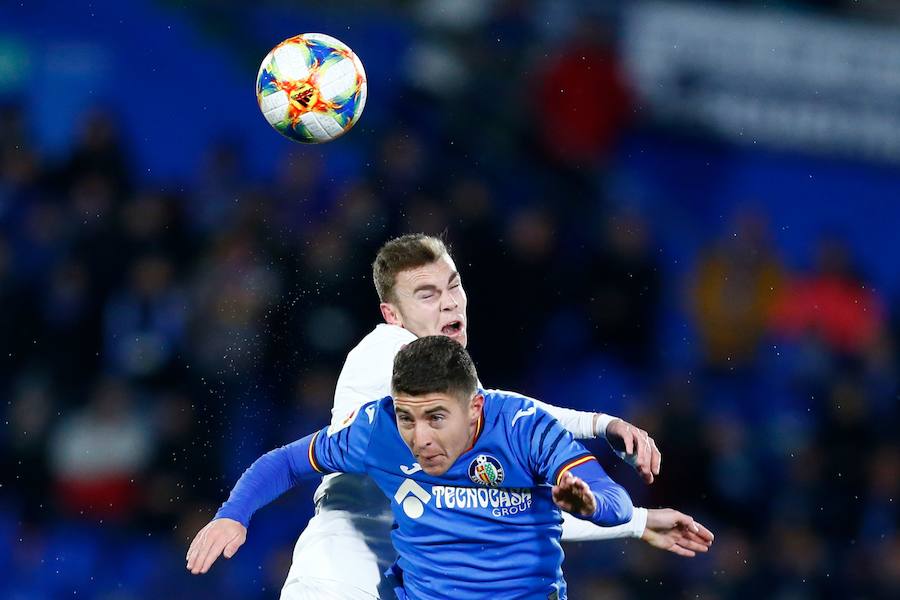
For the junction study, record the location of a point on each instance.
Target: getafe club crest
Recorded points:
(486, 470)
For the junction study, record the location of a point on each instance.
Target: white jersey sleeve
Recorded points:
(579, 423)
(579, 530)
(366, 375)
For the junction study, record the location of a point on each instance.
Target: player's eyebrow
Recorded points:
(400, 408)
(425, 286)
(431, 287)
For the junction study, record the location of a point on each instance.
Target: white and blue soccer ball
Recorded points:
(311, 88)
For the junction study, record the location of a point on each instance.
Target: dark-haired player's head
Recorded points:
(420, 288)
(436, 401)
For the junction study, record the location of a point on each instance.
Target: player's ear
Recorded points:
(476, 405)
(390, 314)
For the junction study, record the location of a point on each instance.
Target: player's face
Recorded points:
(430, 301)
(438, 428)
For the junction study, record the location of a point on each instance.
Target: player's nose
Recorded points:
(449, 301)
(421, 438)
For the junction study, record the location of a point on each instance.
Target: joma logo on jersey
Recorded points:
(486, 470)
(502, 502)
(412, 497)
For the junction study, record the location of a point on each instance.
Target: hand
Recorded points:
(668, 529)
(220, 536)
(574, 496)
(640, 449)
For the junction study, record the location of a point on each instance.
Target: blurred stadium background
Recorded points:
(682, 213)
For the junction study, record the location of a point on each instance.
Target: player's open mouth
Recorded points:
(452, 328)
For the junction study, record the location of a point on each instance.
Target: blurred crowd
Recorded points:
(155, 339)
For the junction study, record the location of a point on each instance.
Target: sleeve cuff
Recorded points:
(638, 521)
(600, 422)
(226, 512)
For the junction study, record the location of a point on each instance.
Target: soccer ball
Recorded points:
(311, 88)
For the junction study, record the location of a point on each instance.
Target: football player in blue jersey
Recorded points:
(474, 479)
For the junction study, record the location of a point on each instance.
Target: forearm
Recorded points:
(268, 478)
(613, 503)
(578, 530)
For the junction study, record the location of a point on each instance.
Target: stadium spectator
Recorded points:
(98, 454)
(623, 289)
(832, 304)
(581, 99)
(144, 324)
(732, 291)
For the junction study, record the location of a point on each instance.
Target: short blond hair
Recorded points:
(400, 254)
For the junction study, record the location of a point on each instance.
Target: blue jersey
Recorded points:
(487, 528)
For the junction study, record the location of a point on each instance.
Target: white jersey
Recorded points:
(366, 376)
(346, 547)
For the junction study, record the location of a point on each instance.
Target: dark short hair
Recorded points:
(434, 364)
(400, 254)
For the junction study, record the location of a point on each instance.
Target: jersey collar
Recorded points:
(479, 426)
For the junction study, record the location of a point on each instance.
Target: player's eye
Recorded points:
(455, 285)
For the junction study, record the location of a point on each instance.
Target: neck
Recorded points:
(474, 431)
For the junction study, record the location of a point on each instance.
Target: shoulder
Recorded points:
(381, 338)
(509, 407)
(366, 416)
(508, 401)
(366, 373)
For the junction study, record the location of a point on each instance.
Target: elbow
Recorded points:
(614, 507)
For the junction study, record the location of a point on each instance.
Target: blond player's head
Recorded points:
(420, 288)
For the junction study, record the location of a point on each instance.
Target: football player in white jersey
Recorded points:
(346, 548)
